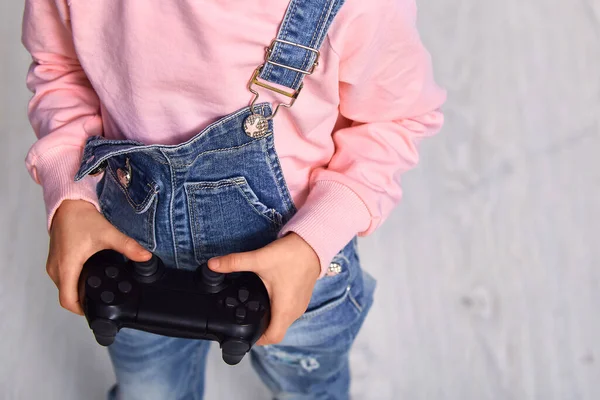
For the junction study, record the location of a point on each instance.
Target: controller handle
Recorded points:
(233, 351)
(104, 331)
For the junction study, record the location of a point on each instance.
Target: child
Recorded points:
(177, 163)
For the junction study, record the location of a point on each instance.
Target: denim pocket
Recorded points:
(338, 306)
(131, 207)
(226, 216)
(332, 326)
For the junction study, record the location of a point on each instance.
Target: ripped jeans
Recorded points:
(221, 192)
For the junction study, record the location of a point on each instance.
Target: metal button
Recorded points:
(256, 126)
(100, 168)
(334, 269)
(124, 174)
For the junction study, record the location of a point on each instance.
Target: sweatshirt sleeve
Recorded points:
(388, 92)
(64, 108)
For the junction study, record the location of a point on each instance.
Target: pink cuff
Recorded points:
(55, 171)
(331, 216)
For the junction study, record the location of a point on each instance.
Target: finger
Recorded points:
(52, 271)
(281, 320)
(235, 262)
(68, 293)
(262, 341)
(126, 245)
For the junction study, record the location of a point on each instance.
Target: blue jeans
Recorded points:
(221, 192)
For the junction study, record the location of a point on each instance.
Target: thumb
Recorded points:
(128, 246)
(235, 262)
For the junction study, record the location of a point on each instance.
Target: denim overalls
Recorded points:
(221, 192)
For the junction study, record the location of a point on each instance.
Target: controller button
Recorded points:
(107, 297)
(230, 302)
(240, 313)
(243, 294)
(253, 305)
(125, 287)
(112, 272)
(94, 282)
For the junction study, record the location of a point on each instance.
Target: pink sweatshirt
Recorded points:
(160, 71)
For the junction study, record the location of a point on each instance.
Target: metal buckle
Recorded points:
(269, 51)
(293, 96)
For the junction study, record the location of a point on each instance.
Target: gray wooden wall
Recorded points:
(488, 272)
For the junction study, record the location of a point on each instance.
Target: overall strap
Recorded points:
(294, 53)
(291, 56)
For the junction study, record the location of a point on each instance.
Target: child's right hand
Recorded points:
(78, 231)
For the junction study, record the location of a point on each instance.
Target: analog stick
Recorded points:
(146, 268)
(213, 282)
(210, 277)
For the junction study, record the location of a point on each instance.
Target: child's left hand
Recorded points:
(289, 268)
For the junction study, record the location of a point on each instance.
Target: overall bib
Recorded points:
(221, 192)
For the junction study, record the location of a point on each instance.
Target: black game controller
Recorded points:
(233, 309)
